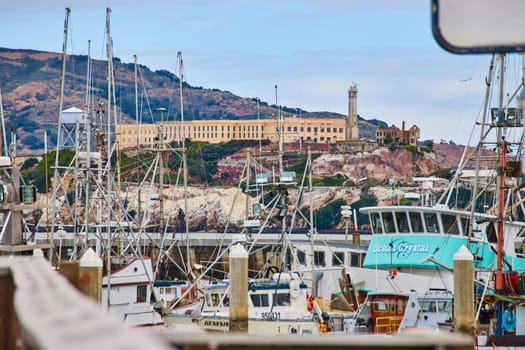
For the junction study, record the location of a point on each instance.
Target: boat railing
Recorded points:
(388, 324)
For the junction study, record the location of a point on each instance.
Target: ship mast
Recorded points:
(502, 160)
(184, 167)
(60, 107)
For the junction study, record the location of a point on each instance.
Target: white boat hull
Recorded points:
(255, 326)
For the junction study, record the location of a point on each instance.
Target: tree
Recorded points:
(329, 215)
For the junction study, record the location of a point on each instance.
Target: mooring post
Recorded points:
(238, 289)
(464, 291)
(90, 275)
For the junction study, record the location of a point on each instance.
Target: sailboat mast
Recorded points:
(108, 165)
(279, 132)
(184, 165)
(137, 102)
(312, 224)
(60, 107)
(2, 120)
(139, 209)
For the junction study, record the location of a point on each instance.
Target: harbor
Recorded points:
(162, 215)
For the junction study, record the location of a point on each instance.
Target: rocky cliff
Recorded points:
(381, 165)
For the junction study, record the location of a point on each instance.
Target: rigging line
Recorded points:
(145, 94)
(299, 197)
(218, 248)
(276, 201)
(194, 284)
(173, 94)
(190, 99)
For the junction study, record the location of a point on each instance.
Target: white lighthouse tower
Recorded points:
(352, 130)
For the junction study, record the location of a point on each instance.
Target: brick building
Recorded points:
(407, 137)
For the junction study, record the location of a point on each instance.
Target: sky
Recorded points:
(313, 50)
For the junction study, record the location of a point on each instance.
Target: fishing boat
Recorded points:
(391, 312)
(412, 246)
(276, 306)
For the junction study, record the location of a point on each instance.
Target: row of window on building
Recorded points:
(293, 130)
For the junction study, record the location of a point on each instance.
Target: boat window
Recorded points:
(492, 236)
(431, 222)
(400, 306)
(465, 225)
(142, 292)
(381, 305)
(445, 306)
(388, 223)
(375, 220)
(354, 260)
(260, 300)
(301, 257)
(319, 258)
(428, 306)
(214, 299)
(415, 222)
(338, 258)
(282, 299)
(450, 224)
(402, 222)
(226, 300)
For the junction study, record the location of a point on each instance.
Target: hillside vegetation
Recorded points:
(29, 81)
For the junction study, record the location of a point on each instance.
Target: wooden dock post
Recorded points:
(90, 275)
(464, 291)
(238, 289)
(356, 238)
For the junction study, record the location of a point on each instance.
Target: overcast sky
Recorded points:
(312, 49)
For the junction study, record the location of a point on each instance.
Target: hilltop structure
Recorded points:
(311, 130)
(343, 132)
(392, 135)
(352, 129)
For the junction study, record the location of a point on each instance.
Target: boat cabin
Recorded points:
(411, 219)
(282, 297)
(169, 291)
(389, 312)
(404, 236)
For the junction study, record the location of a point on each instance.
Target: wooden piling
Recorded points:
(356, 239)
(464, 291)
(238, 289)
(90, 275)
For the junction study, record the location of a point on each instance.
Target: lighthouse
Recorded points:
(352, 130)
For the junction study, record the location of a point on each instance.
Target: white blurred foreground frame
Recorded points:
(479, 26)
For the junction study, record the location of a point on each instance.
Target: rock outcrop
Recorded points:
(381, 164)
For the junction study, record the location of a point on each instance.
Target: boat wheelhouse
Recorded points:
(427, 237)
(390, 312)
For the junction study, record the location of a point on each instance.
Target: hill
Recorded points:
(29, 81)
